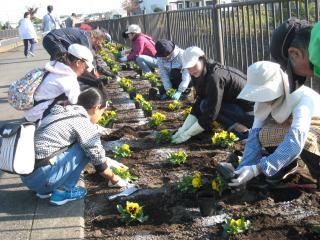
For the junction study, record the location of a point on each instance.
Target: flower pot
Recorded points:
(147, 113)
(153, 93)
(137, 105)
(206, 202)
(132, 94)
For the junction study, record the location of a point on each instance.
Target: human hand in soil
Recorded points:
(121, 183)
(115, 164)
(245, 173)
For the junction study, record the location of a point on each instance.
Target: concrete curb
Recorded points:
(8, 44)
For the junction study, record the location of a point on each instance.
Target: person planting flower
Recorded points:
(173, 76)
(217, 88)
(285, 124)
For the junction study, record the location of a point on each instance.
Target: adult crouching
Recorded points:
(217, 88)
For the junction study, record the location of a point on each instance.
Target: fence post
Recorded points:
(217, 31)
(168, 23)
(144, 20)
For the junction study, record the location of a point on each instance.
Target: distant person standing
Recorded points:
(71, 21)
(28, 34)
(49, 21)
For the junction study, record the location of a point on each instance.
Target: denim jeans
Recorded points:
(32, 45)
(64, 174)
(230, 114)
(146, 63)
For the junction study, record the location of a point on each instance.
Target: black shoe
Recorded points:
(283, 173)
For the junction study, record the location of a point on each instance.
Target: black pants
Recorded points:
(32, 45)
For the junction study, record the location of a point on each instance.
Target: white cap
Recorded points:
(82, 53)
(191, 56)
(133, 28)
(265, 82)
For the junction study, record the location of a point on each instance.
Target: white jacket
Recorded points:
(165, 67)
(26, 29)
(61, 79)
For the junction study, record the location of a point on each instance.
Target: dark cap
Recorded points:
(164, 47)
(282, 38)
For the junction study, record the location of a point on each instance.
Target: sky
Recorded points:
(13, 10)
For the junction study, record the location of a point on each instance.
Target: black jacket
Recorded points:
(217, 84)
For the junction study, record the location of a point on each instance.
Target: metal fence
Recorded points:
(236, 34)
(10, 33)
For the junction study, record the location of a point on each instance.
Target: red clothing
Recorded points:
(86, 27)
(142, 44)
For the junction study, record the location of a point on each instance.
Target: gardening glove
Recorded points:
(120, 184)
(123, 59)
(176, 96)
(115, 164)
(192, 131)
(246, 173)
(103, 131)
(190, 120)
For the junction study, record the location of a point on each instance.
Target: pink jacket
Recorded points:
(142, 44)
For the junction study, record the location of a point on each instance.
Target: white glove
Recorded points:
(246, 173)
(192, 131)
(123, 52)
(115, 164)
(190, 120)
(103, 131)
(120, 184)
(123, 59)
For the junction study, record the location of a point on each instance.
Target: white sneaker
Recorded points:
(31, 53)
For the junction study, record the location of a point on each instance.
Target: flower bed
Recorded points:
(173, 213)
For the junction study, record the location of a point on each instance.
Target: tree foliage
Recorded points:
(130, 5)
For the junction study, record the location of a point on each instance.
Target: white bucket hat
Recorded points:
(133, 28)
(264, 82)
(191, 56)
(82, 53)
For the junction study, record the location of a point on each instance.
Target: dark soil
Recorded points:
(273, 213)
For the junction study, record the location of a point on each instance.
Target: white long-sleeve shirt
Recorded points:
(165, 67)
(26, 29)
(294, 141)
(61, 79)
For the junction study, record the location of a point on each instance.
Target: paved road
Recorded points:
(22, 215)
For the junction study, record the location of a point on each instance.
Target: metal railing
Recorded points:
(236, 34)
(10, 33)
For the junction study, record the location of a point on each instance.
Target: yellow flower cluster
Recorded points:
(125, 83)
(224, 139)
(133, 208)
(196, 180)
(170, 92)
(125, 148)
(156, 119)
(236, 223)
(139, 98)
(186, 112)
(176, 105)
(110, 114)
